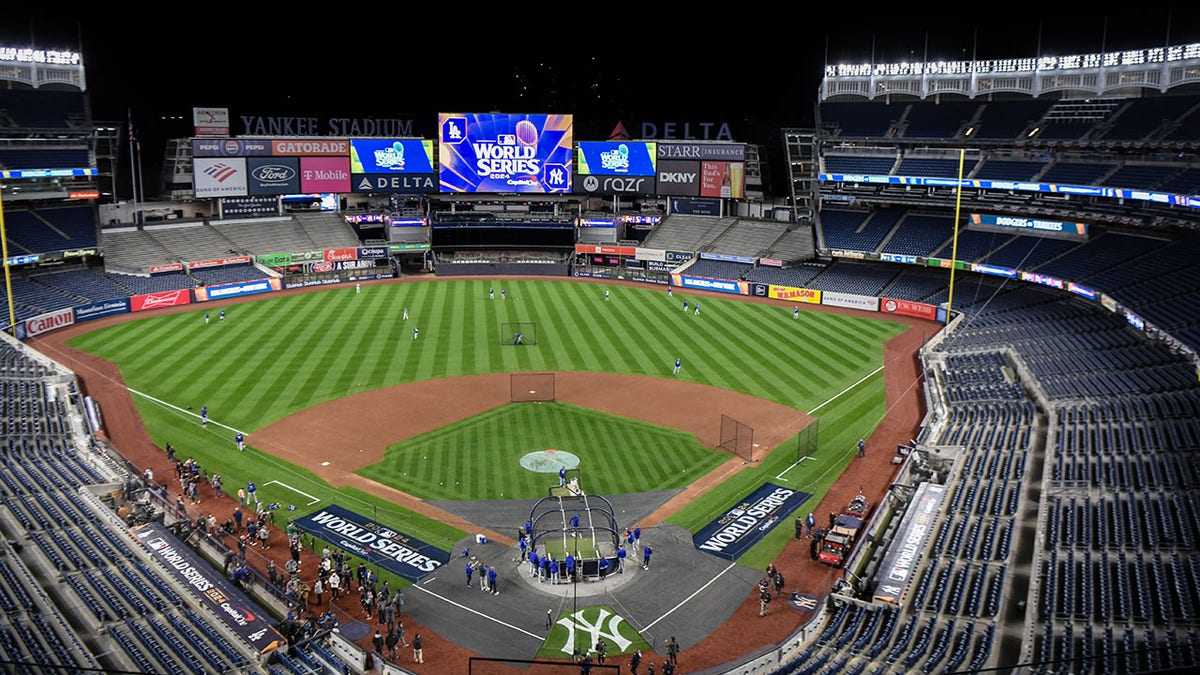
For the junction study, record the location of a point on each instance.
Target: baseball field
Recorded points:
(342, 402)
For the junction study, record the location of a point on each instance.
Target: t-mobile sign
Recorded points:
(325, 174)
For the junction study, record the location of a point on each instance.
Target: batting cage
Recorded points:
(737, 438)
(518, 333)
(571, 521)
(531, 387)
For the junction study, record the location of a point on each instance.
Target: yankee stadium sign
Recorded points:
(359, 127)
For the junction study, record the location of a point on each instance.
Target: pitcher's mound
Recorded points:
(549, 461)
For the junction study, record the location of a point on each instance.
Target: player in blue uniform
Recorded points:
(204, 415)
(678, 365)
(415, 332)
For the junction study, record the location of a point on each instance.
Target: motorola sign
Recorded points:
(615, 185)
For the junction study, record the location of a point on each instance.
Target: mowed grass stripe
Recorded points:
(574, 337)
(658, 322)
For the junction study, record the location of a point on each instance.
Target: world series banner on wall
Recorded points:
(744, 524)
(374, 542)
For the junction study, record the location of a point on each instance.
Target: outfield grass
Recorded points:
(280, 355)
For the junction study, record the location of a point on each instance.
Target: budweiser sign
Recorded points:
(161, 299)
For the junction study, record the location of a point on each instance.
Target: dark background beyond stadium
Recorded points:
(754, 66)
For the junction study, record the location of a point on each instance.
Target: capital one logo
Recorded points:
(607, 625)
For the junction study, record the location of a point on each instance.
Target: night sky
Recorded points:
(751, 66)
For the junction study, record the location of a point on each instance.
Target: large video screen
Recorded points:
(616, 158)
(495, 152)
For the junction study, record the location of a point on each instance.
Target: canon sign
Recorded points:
(48, 322)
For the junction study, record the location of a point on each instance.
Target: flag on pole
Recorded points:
(133, 139)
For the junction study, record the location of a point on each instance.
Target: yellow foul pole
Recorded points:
(962, 156)
(12, 312)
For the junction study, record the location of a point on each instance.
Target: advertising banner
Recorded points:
(375, 543)
(993, 270)
(722, 179)
(1043, 279)
(274, 259)
(226, 602)
(606, 250)
(99, 310)
(616, 158)
(44, 323)
(210, 121)
(139, 303)
(678, 178)
(696, 206)
(372, 252)
(806, 295)
(614, 185)
(401, 183)
(325, 174)
(311, 147)
(908, 308)
(340, 254)
(303, 281)
(494, 152)
(384, 156)
(273, 175)
(706, 284)
(219, 177)
(230, 147)
(651, 254)
(679, 256)
(696, 152)
(165, 269)
(904, 555)
(206, 293)
(1000, 223)
(219, 262)
(744, 524)
(320, 267)
(869, 303)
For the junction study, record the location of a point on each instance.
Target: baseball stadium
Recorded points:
(505, 399)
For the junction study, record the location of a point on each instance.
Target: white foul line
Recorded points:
(685, 600)
(796, 463)
(478, 613)
(314, 499)
(175, 407)
(833, 398)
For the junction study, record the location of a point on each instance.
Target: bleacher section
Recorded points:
(49, 229)
(122, 603)
(687, 233)
(325, 230)
(748, 238)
